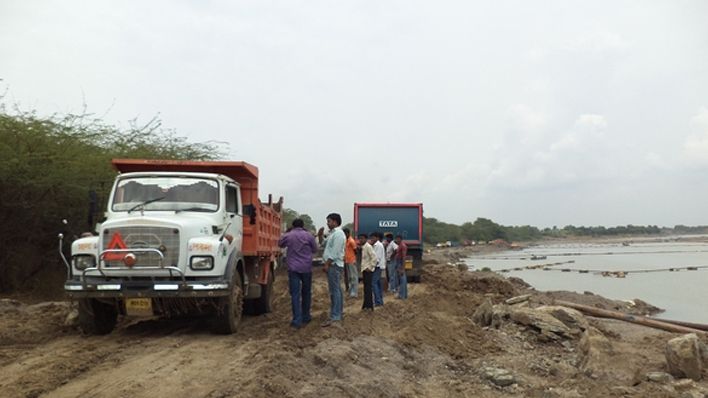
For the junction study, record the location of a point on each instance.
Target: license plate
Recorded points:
(408, 264)
(138, 307)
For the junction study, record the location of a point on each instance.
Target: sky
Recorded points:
(545, 113)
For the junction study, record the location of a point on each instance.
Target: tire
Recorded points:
(96, 317)
(230, 308)
(263, 304)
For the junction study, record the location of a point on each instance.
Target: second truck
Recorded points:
(405, 219)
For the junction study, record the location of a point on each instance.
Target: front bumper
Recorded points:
(130, 288)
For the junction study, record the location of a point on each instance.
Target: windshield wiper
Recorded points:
(193, 209)
(145, 203)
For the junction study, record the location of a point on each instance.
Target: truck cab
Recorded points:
(179, 238)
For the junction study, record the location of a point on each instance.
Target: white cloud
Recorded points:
(696, 144)
(526, 119)
(598, 42)
(556, 158)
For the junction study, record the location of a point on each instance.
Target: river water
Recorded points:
(682, 293)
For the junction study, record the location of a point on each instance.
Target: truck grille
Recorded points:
(164, 239)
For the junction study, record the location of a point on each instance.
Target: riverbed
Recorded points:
(636, 270)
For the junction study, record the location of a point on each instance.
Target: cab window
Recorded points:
(231, 199)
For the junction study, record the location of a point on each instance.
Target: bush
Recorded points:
(59, 167)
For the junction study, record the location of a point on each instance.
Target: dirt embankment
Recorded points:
(426, 346)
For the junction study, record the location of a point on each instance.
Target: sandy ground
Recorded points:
(426, 346)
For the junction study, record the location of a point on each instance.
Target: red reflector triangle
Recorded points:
(116, 243)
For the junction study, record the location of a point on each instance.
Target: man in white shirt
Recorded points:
(368, 265)
(380, 267)
(391, 264)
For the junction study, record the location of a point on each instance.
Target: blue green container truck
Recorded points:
(405, 219)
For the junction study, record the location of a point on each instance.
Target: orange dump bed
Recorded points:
(260, 238)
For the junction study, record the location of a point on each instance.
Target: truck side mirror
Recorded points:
(251, 211)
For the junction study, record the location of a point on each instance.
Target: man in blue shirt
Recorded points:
(334, 265)
(301, 246)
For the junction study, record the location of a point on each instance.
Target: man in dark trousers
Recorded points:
(400, 267)
(301, 246)
(368, 264)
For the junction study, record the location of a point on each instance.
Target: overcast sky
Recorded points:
(526, 112)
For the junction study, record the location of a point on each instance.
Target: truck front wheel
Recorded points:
(96, 317)
(230, 308)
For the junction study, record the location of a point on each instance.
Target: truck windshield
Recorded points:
(178, 193)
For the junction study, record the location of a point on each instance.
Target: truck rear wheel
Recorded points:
(230, 308)
(96, 317)
(263, 304)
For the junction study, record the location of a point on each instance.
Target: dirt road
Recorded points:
(426, 346)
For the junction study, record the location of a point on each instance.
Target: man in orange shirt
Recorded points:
(350, 263)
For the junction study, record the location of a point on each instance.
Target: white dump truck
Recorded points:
(180, 238)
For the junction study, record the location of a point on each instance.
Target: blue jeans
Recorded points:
(300, 284)
(353, 279)
(403, 285)
(392, 275)
(334, 278)
(378, 291)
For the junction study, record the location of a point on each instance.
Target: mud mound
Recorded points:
(31, 324)
(454, 279)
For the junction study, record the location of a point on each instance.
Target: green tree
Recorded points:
(289, 215)
(49, 166)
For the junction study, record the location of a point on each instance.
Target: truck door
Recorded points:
(234, 214)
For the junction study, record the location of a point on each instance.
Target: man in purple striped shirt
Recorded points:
(301, 246)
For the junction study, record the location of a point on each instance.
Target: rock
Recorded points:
(573, 319)
(500, 313)
(693, 394)
(659, 377)
(483, 314)
(644, 308)
(684, 357)
(545, 323)
(624, 391)
(683, 384)
(498, 376)
(10, 306)
(72, 318)
(563, 370)
(518, 299)
(568, 346)
(595, 350)
(563, 393)
(519, 282)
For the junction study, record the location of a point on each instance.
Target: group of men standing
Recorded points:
(340, 253)
(377, 258)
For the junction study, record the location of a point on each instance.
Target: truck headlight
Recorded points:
(201, 263)
(83, 261)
